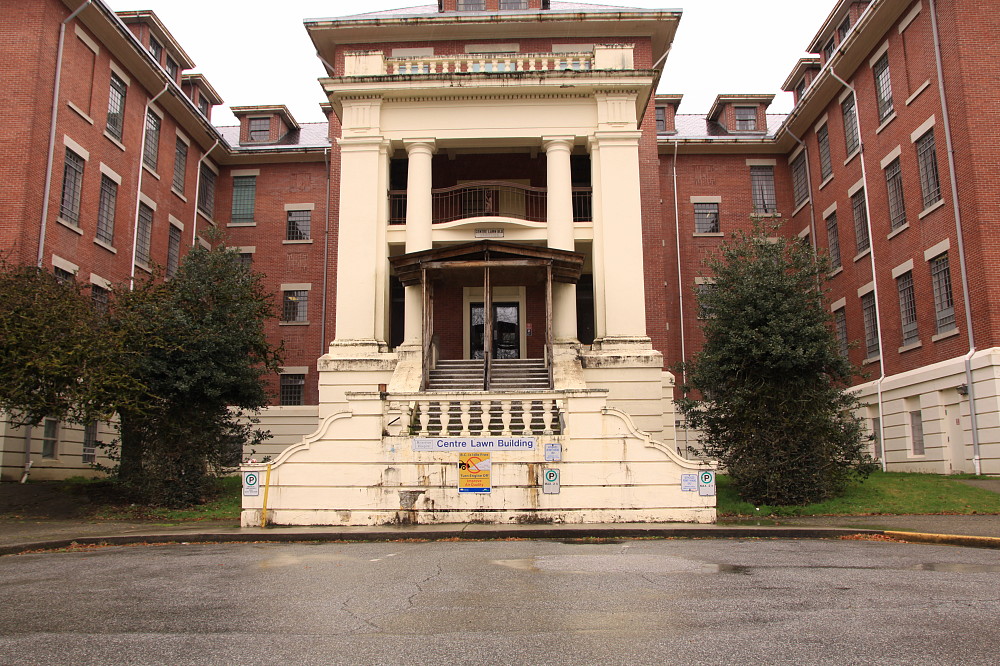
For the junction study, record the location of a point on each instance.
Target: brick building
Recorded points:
(520, 144)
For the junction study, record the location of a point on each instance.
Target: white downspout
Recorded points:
(197, 187)
(871, 256)
(680, 280)
(138, 183)
(47, 191)
(323, 345)
(973, 419)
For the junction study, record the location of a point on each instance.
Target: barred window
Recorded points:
(206, 193)
(706, 218)
(872, 348)
(106, 211)
(840, 326)
(860, 221)
(155, 48)
(295, 306)
(50, 438)
(907, 308)
(299, 223)
(471, 5)
(100, 298)
(844, 28)
(246, 260)
(762, 188)
(173, 251)
(260, 129)
(828, 50)
(930, 185)
(203, 105)
(90, 443)
(833, 240)
(151, 150)
(702, 290)
(852, 141)
(171, 68)
(72, 187)
(116, 107)
(62, 275)
(800, 179)
(180, 165)
(894, 187)
(244, 194)
(883, 87)
(144, 236)
(746, 118)
(825, 163)
(513, 4)
(292, 390)
(944, 306)
(917, 432)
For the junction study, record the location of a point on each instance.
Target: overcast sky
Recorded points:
(253, 54)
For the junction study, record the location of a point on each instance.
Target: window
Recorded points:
(144, 236)
(746, 118)
(907, 308)
(917, 432)
(877, 437)
(894, 187)
(260, 129)
(860, 221)
(828, 50)
(72, 187)
(116, 107)
(50, 438)
(844, 28)
(706, 218)
(295, 305)
(702, 289)
(299, 222)
(471, 5)
(883, 87)
(155, 48)
(661, 119)
(840, 326)
(171, 68)
(244, 193)
(800, 90)
(99, 298)
(106, 211)
(825, 164)
(944, 306)
(180, 165)
(173, 251)
(206, 193)
(246, 260)
(762, 186)
(800, 179)
(151, 150)
(292, 389)
(90, 443)
(833, 240)
(62, 275)
(852, 141)
(930, 185)
(872, 349)
(203, 105)
(513, 4)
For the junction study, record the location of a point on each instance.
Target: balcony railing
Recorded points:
(464, 415)
(490, 199)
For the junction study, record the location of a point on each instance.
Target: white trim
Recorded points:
(146, 200)
(830, 211)
(236, 173)
(120, 73)
(804, 233)
(246, 249)
(186, 141)
(893, 154)
(879, 53)
(300, 206)
(211, 167)
(175, 222)
(422, 52)
(904, 267)
(838, 304)
(822, 121)
(924, 127)
(704, 280)
(930, 209)
(762, 162)
(99, 281)
(110, 173)
(86, 39)
(922, 87)
(81, 112)
(698, 200)
(155, 109)
(76, 148)
(856, 187)
(64, 264)
(795, 154)
(898, 230)
(573, 48)
(844, 95)
(512, 47)
(885, 123)
(296, 286)
(937, 249)
(866, 289)
(908, 19)
(294, 370)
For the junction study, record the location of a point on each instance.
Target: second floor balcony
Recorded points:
(491, 199)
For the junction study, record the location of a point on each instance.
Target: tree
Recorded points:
(775, 411)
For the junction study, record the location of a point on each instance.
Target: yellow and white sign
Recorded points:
(474, 472)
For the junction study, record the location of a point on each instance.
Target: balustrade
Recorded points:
(454, 415)
(490, 199)
(490, 62)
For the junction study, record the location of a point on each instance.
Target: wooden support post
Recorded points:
(548, 320)
(487, 325)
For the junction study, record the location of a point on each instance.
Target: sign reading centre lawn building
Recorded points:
(474, 443)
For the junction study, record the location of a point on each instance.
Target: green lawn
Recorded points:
(881, 493)
(225, 505)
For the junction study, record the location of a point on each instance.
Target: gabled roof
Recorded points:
(148, 17)
(515, 258)
(423, 10)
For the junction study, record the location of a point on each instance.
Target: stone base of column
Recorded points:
(622, 342)
(632, 373)
(357, 348)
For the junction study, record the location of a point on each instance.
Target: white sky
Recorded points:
(253, 54)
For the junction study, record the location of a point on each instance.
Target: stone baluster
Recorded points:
(465, 417)
(425, 418)
(505, 417)
(526, 407)
(547, 416)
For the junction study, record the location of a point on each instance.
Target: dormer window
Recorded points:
(155, 48)
(828, 50)
(260, 129)
(746, 118)
(844, 28)
(203, 105)
(661, 119)
(800, 90)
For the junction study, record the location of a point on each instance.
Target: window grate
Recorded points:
(299, 223)
(244, 195)
(151, 151)
(860, 221)
(930, 184)
(292, 390)
(944, 305)
(72, 188)
(106, 211)
(833, 241)
(894, 188)
(706, 218)
(852, 141)
(825, 163)
(173, 251)
(762, 189)
(295, 306)
(872, 347)
(145, 234)
(840, 322)
(800, 180)
(907, 308)
(180, 165)
(116, 107)
(206, 193)
(883, 87)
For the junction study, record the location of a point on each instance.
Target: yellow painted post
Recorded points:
(267, 486)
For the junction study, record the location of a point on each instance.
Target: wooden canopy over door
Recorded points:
(488, 264)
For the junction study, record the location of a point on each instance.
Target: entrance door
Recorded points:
(506, 330)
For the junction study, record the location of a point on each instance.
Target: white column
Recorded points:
(419, 227)
(559, 224)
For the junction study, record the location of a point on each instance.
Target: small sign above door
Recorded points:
(489, 233)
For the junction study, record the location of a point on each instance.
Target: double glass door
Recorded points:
(506, 330)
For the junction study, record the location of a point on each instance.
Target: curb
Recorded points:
(946, 539)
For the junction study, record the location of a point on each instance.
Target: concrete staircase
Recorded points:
(527, 374)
